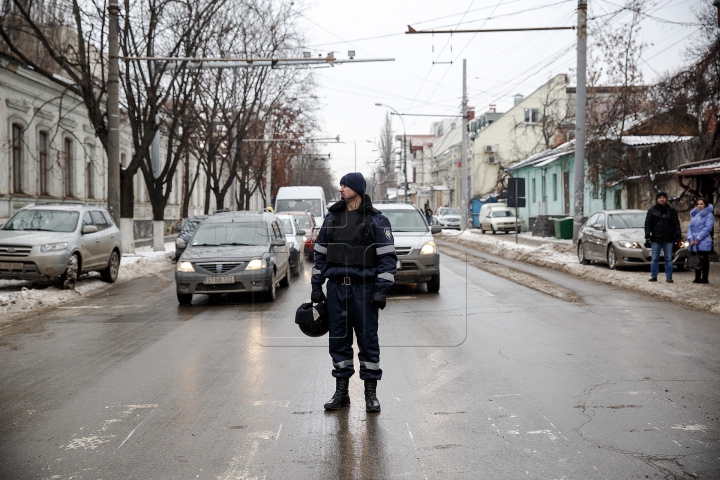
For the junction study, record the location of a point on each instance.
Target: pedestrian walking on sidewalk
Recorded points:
(428, 214)
(355, 252)
(702, 220)
(662, 232)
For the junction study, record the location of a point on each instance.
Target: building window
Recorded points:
(90, 183)
(69, 172)
(89, 171)
(543, 188)
(532, 115)
(43, 159)
(533, 191)
(17, 157)
(554, 186)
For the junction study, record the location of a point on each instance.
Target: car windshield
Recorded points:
(44, 221)
(287, 226)
(406, 220)
(219, 234)
(451, 211)
(192, 224)
(303, 221)
(502, 213)
(618, 221)
(311, 205)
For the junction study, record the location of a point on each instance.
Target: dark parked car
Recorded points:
(186, 233)
(617, 238)
(234, 252)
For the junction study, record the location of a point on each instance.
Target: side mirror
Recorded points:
(280, 242)
(89, 229)
(435, 229)
(598, 226)
(302, 232)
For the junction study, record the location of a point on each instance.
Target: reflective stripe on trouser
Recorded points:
(349, 309)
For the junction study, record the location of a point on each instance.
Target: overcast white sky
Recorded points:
(499, 64)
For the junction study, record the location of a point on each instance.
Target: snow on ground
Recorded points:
(19, 298)
(560, 255)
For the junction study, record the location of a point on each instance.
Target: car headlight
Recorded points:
(54, 247)
(185, 267)
(626, 244)
(428, 248)
(256, 264)
(180, 242)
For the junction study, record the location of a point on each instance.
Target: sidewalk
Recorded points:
(560, 255)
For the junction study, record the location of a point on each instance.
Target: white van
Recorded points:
(302, 199)
(497, 217)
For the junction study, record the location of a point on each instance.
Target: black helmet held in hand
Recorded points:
(312, 319)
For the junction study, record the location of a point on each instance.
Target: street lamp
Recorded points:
(404, 152)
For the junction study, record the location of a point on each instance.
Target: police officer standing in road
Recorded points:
(355, 252)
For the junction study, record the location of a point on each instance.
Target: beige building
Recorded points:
(500, 139)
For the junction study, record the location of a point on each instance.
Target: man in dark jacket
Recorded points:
(355, 252)
(662, 231)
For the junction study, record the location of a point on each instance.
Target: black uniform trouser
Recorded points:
(348, 308)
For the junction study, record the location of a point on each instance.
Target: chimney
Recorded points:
(470, 113)
(518, 98)
(492, 108)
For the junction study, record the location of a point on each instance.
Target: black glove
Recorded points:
(647, 243)
(378, 300)
(317, 295)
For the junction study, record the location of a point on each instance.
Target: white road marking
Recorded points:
(508, 395)
(698, 427)
(484, 292)
(556, 429)
(417, 453)
(544, 432)
(272, 403)
(239, 466)
(91, 442)
(278, 434)
(126, 438)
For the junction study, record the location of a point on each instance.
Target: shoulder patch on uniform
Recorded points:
(388, 234)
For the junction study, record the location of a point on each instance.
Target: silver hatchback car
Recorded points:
(47, 243)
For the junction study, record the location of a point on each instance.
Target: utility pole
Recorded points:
(581, 104)
(268, 171)
(113, 114)
(464, 190)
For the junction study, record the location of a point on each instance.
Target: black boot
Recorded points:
(371, 402)
(341, 398)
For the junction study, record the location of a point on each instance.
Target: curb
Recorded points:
(587, 274)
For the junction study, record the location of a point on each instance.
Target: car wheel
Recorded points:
(493, 230)
(69, 278)
(482, 230)
(581, 254)
(611, 257)
(285, 282)
(270, 293)
(110, 274)
(433, 285)
(184, 298)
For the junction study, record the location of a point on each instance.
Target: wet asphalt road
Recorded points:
(487, 379)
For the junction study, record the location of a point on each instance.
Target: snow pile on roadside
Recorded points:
(561, 256)
(17, 297)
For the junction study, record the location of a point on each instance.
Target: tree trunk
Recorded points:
(127, 210)
(207, 194)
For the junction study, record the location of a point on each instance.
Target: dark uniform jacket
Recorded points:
(375, 259)
(662, 224)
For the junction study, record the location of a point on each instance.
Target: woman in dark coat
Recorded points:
(698, 236)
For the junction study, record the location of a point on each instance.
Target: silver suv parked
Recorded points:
(57, 242)
(418, 256)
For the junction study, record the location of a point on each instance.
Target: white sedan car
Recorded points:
(296, 237)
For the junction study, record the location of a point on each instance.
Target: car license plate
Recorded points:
(11, 266)
(399, 265)
(218, 280)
